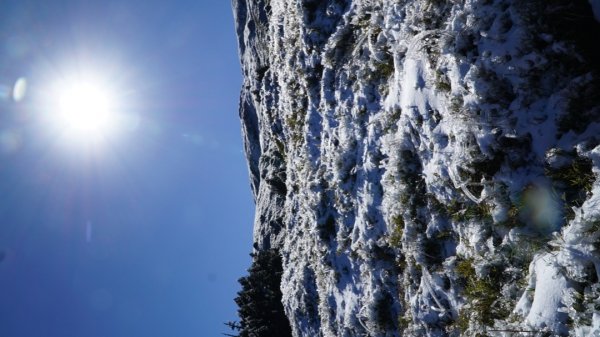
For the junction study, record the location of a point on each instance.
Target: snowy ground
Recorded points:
(427, 168)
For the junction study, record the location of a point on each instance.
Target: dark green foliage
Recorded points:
(577, 176)
(403, 322)
(513, 219)
(456, 104)
(326, 225)
(572, 21)
(414, 197)
(259, 302)
(574, 181)
(326, 228)
(486, 167)
(234, 326)
(383, 254)
(385, 313)
(392, 120)
(593, 232)
(583, 108)
(494, 89)
(482, 295)
(320, 18)
(442, 82)
(432, 250)
(295, 123)
(462, 212)
(397, 231)
(384, 69)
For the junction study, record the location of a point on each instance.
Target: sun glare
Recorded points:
(85, 108)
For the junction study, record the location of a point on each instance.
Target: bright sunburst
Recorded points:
(85, 108)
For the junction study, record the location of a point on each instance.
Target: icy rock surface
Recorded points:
(426, 167)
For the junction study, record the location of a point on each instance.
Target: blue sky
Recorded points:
(147, 233)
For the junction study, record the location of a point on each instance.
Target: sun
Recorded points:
(84, 108)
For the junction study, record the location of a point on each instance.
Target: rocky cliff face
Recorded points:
(426, 167)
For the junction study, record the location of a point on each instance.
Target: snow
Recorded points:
(389, 142)
(549, 285)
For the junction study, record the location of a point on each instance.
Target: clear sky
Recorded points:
(145, 231)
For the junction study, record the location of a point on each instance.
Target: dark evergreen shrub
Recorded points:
(259, 302)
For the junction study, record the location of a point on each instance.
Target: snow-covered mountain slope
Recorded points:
(427, 167)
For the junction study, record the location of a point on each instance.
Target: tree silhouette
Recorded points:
(260, 309)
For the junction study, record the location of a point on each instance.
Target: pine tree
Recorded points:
(260, 308)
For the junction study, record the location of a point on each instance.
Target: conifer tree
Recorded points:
(259, 302)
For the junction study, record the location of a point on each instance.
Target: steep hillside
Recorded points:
(426, 167)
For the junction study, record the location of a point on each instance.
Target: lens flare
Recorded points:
(542, 209)
(19, 89)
